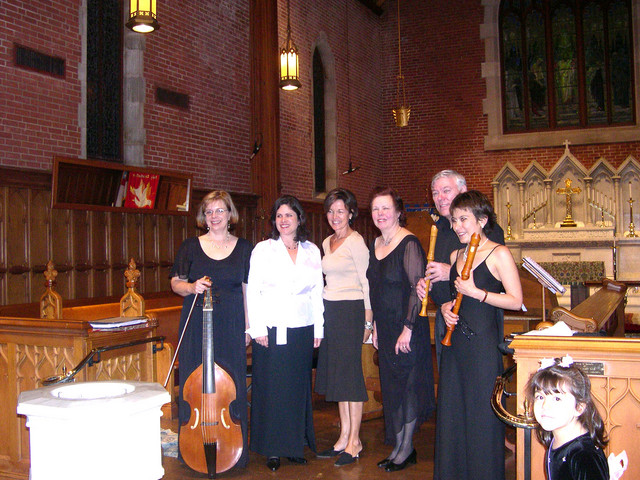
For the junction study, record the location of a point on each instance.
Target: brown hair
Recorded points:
(397, 202)
(347, 197)
(573, 380)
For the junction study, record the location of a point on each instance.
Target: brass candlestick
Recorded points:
(532, 213)
(508, 237)
(632, 229)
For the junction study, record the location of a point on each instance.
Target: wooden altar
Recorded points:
(614, 369)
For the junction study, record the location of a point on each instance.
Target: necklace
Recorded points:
(224, 244)
(466, 250)
(387, 242)
(294, 247)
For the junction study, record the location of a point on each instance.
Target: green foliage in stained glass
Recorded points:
(575, 74)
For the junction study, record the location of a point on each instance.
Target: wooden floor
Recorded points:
(326, 427)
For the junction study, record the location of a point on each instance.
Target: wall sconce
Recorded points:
(402, 112)
(142, 16)
(289, 62)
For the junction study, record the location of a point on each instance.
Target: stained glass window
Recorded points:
(566, 64)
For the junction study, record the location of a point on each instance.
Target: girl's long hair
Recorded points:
(571, 379)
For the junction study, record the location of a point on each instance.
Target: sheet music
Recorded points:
(116, 322)
(542, 275)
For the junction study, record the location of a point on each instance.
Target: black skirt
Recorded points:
(339, 373)
(281, 415)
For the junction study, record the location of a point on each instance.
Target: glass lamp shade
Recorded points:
(289, 66)
(142, 16)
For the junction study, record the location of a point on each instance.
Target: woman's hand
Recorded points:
(317, 342)
(421, 289)
(367, 334)
(247, 339)
(368, 320)
(450, 318)
(374, 337)
(468, 287)
(404, 341)
(200, 285)
(264, 341)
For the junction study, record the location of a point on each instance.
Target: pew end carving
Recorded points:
(50, 301)
(132, 303)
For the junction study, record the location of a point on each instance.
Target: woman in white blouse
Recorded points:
(284, 301)
(348, 322)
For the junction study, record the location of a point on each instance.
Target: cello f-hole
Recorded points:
(196, 421)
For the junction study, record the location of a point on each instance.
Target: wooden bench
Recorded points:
(601, 312)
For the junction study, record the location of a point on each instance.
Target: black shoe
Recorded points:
(345, 459)
(273, 463)
(298, 460)
(384, 463)
(410, 460)
(329, 453)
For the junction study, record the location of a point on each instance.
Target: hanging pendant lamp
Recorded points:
(289, 62)
(402, 111)
(142, 16)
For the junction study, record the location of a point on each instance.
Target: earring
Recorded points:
(229, 225)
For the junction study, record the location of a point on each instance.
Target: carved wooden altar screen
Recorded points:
(33, 349)
(614, 364)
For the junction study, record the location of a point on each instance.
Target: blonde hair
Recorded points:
(212, 197)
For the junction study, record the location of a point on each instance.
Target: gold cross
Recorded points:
(568, 191)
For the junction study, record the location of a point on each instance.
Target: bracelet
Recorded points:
(485, 296)
(368, 325)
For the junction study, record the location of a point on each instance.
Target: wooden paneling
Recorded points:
(615, 388)
(90, 249)
(32, 350)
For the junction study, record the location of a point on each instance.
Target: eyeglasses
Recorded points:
(217, 211)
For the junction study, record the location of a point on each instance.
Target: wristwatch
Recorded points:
(368, 325)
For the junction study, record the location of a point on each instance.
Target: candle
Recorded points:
(508, 193)
(630, 196)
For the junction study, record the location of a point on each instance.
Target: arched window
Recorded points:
(566, 64)
(324, 117)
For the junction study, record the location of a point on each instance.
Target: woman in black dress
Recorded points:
(224, 258)
(396, 263)
(469, 437)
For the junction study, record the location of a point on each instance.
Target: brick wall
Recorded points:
(202, 49)
(38, 112)
(358, 44)
(442, 53)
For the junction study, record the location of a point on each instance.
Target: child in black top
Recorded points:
(569, 423)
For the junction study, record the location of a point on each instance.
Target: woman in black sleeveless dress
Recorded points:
(396, 263)
(469, 437)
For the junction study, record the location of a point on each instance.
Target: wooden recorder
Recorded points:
(466, 271)
(430, 257)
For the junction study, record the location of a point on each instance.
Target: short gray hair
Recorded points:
(460, 180)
